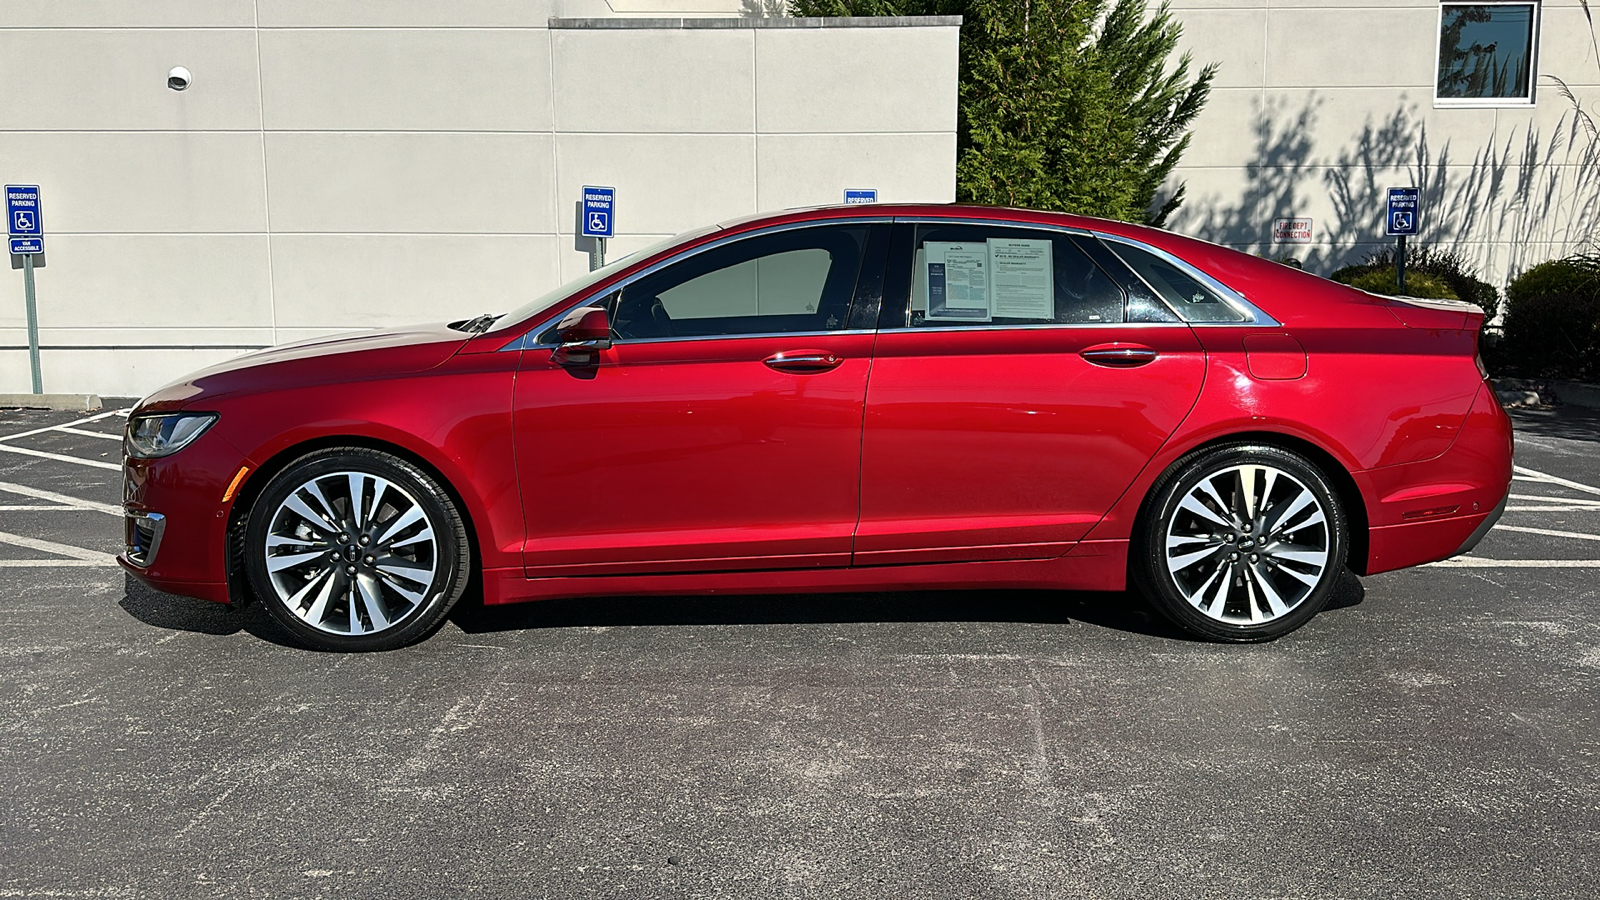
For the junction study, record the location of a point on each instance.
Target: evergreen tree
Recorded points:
(1064, 104)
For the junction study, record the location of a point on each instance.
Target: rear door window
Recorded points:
(988, 276)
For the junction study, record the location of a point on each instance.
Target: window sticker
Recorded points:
(1020, 273)
(958, 281)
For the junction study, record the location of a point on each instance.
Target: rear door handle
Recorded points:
(803, 361)
(1119, 356)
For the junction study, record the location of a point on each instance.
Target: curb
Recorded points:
(1573, 393)
(64, 402)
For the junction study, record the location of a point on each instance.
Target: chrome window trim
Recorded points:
(1049, 325)
(529, 340)
(733, 337)
(1254, 317)
(1003, 223)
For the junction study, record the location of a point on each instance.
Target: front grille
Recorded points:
(142, 535)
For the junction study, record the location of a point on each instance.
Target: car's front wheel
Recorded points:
(1241, 543)
(356, 549)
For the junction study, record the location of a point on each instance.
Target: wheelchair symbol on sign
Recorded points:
(1402, 221)
(597, 221)
(23, 221)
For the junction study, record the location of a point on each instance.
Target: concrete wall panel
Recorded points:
(1243, 32)
(814, 169)
(405, 13)
(82, 79)
(410, 182)
(665, 183)
(141, 181)
(406, 79)
(155, 281)
(1389, 47)
(125, 14)
(655, 80)
(344, 281)
(870, 80)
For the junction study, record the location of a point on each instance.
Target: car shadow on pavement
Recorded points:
(174, 613)
(1126, 611)
(1571, 422)
(1121, 611)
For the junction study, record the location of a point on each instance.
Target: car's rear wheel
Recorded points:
(1241, 543)
(356, 549)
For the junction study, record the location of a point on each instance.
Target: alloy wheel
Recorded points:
(1247, 544)
(351, 553)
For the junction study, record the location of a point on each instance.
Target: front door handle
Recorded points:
(1118, 355)
(803, 361)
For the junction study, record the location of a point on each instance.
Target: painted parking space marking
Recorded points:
(1538, 503)
(66, 500)
(77, 556)
(1473, 562)
(1530, 475)
(67, 428)
(60, 457)
(1576, 535)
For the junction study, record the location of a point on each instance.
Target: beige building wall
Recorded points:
(1320, 105)
(341, 164)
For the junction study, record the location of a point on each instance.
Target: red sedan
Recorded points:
(847, 399)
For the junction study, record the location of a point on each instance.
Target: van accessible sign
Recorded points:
(1291, 231)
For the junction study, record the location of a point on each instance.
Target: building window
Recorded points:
(1486, 54)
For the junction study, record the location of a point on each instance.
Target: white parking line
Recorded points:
(115, 467)
(35, 508)
(1577, 535)
(66, 499)
(94, 434)
(1546, 499)
(67, 428)
(47, 428)
(92, 557)
(1589, 508)
(1472, 562)
(1530, 475)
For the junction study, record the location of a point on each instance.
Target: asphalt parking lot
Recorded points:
(1433, 734)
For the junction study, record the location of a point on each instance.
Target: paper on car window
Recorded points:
(958, 281)
(1020, 279)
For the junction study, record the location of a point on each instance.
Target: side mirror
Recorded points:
(580, 335)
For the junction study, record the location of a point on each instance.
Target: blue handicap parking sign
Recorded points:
(861, 195)
(22, 211)
(599, 211)
(1404, 212)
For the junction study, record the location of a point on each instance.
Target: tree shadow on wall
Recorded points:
(1520, 198)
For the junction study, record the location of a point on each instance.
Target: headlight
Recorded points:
(149, 437)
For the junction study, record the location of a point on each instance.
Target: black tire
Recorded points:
(376, 575)
(1223, 573)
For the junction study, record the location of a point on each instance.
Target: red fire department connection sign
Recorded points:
(1291, 231)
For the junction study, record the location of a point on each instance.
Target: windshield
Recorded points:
(551, 298)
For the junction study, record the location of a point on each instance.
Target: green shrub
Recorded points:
(1446, 265)
(1575, 276)
(1418, 284)
(1553, 336)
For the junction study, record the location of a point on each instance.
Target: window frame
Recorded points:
(897, 284)
(1490, 102)
(913, 225)
(869, 285)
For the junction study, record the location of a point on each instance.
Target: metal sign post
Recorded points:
(599, 221)
(25, 226)
(1402, 221)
